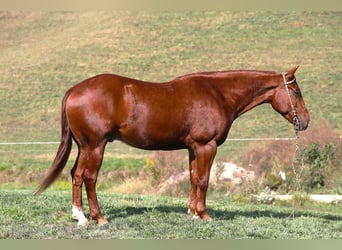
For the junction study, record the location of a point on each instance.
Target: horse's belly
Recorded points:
(152, 139)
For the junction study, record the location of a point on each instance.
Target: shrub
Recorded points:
(316, 164)
(164, 164)
(318, 159)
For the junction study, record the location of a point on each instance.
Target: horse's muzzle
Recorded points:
(300, 125)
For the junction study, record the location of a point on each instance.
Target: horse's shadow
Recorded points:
(228, 215)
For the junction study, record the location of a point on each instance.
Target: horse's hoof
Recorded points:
(202, 216)
(102, 222)
(206, 217)
(195, 217)
(83, 223)
(191, 211)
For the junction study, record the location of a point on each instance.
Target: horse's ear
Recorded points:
(292, 71)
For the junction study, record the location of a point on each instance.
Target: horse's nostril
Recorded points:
(307, 125)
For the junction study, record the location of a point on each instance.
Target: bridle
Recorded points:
(296, 124)
(295, 120)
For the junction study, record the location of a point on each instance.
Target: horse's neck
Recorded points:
(250, 93)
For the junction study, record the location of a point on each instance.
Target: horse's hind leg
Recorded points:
(86, 170)
(95, 156)
(77, 181)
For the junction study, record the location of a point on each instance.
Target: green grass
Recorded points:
(48, 216)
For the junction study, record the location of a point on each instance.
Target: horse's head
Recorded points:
(289, 102)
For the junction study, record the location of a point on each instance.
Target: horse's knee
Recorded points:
(203, 183)
(77, 180)
(89, 178)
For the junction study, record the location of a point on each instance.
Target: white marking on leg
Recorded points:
(78, 215)
(195, 217)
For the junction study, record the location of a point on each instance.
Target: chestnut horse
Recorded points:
(193, 112)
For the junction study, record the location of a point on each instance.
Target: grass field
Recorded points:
(24, 216)
(45, 53)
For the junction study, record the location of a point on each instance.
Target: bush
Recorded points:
(316, 164)
(165, 164)
(318, 159)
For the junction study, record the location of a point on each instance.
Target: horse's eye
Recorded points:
(297, 92)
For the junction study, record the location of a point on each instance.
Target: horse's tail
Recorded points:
(62, 153)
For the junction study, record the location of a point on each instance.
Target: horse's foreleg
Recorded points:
(204, 158)
(95, 157)
(193, 183)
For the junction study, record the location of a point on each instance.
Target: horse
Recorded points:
(193, 112)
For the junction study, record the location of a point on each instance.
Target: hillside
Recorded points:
(44, 53)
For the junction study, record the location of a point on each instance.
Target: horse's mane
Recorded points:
(225, 73)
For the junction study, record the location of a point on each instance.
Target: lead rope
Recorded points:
(297, 175)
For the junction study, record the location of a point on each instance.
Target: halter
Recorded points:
(295, 117)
